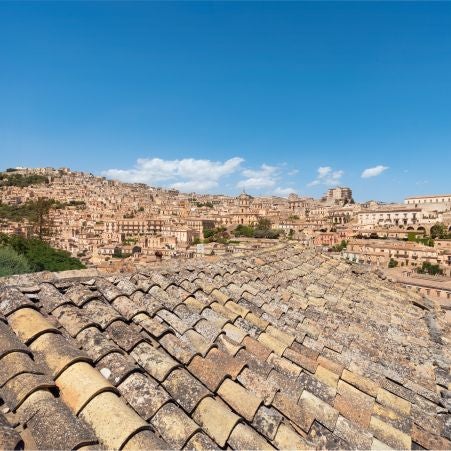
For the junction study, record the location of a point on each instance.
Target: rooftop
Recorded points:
(283, 348)
(427, 197)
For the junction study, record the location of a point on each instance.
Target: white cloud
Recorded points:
(202, 176)
(187, 174)
(283, 192)
(373, 172)
(293, 172)
(264, 178)
(327, 176)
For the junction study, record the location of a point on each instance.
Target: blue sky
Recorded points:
(214, 97)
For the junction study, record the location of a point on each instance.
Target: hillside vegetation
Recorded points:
(21, 255)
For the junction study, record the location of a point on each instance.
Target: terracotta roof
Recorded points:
(284, 348)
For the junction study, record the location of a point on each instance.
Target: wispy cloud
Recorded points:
(190, 174)
(283, 192)
(264, 180)
(187, 174)
(327, 176)
(373, 172)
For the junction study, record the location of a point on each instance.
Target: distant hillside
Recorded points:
(10, 178)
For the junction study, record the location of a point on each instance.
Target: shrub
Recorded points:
(392, 263)
(429, 268)
(39, 255)
(11, 262)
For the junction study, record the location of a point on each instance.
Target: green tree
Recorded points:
(429, 268)
(209, 233)
(40, 219)
(11, 262)
(39, 255)
(392, 263)
(243, 230)
(439, 231)
(340, 247)
(263, 224)
(117, 252)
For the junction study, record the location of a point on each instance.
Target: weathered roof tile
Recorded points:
(12, 299)
(154, 361)
(115, 367)
(57, 352)
(17, 389)
(126, 336)
(185, 389)
(70, 433)
(16, 363)
(266, 421)
(79, 383)
(216, 419)
(143, 394)
(28, 324)
(241, 400)
(174, 425)
(113, 422)
(96, 344)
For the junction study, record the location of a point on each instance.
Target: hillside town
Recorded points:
(116, 226)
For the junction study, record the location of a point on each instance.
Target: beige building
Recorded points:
(438, 202)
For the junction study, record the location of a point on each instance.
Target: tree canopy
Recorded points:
(37, 254)
(439, 231)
